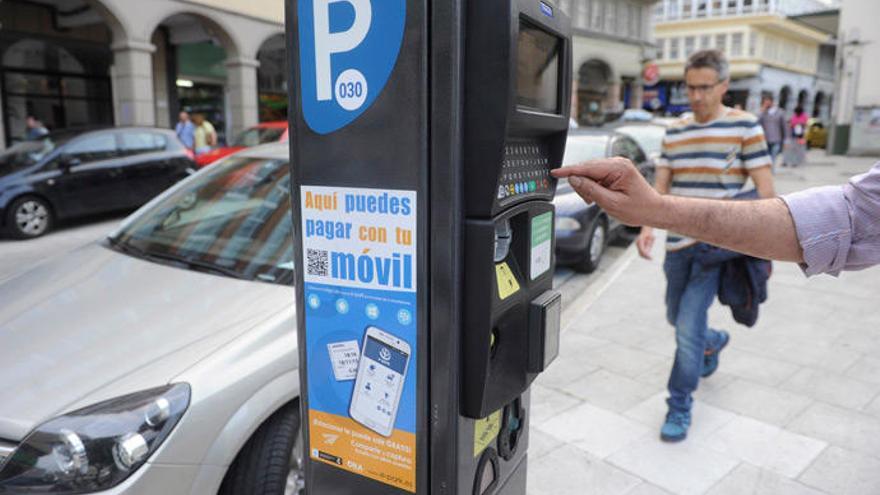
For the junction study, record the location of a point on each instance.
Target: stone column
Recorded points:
(133, 83)
(241, 95)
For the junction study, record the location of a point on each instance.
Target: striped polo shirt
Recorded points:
(712, 160)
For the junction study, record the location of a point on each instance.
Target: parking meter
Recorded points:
(422, 137)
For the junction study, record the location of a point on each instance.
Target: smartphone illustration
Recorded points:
(379, 383)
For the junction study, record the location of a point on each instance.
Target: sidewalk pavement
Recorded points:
(793, 409)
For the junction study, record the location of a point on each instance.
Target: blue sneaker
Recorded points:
(710, 359)
(676, 427)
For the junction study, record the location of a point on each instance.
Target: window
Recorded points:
(610, 14)
(721, 42)
(687, 9)
(753, 44)
(736, 45)
(705, 41)
(673, 9)
(661, 49)
(635, 23)
(771, 48)
(689, 45)
(623, 15)
(789, 53)
(673, 49)
(136, 143)
(596, 15)
(93, 148)
(702, 6)
(583, 13)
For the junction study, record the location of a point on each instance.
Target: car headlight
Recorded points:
(567, 224)
(95, 448)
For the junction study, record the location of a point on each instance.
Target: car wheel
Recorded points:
(270, 463)
(29, 217)
(598, 240)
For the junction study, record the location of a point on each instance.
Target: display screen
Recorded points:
(537, 68)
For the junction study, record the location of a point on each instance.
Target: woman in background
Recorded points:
(796, 148)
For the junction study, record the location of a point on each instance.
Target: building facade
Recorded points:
(77, 63)
(612, 41)
(769, 53)
(856, 127)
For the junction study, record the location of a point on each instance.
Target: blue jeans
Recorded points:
(690, 291)
(774, 149)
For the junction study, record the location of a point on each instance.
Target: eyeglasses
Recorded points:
(702, 88)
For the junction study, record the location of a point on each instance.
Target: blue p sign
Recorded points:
(348, 49)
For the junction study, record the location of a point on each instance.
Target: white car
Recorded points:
(162, 360)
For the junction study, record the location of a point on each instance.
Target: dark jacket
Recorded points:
(743, 284)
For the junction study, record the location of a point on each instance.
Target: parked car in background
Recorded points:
(267, 132)
(72, 174)
(817, 134)
(164, 358)
(648, 136)
(583, 231)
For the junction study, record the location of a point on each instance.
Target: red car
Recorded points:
(267, 132)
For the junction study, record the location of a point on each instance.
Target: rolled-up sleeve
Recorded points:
(838, 227)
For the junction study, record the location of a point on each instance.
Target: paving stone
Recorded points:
(705, 419)
(756, 368)
(841, 427)
(844, 472)
(867, 369)
(571, 471)
(609, 390)
(572, 344)
(832, 388)
(629, 332)
(682, 468)
(627, 361)
(761, 402)
(766, 446)
(594, 430)
(755, 481)
(647, 489)
(658, 376)
(541, 444)
(564, 370)
(547, 402)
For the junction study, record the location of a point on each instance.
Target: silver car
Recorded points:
(162, 360)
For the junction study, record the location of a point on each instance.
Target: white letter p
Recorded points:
(327, 43)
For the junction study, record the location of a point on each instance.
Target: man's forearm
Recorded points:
(762, 228)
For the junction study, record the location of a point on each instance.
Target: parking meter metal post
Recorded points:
(422, 136)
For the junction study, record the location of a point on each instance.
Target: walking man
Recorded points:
(35, 129)
(185, 130)
(775, 129)
(710, 154)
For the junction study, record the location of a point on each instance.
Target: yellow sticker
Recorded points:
(485, 432)
(507, 284)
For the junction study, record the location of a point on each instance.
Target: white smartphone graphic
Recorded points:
(379, 383)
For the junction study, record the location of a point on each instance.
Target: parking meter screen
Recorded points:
(538, 69)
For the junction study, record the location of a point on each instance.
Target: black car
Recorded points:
(583, 231)
(73, 174)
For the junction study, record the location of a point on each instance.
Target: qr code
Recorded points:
(318, 262)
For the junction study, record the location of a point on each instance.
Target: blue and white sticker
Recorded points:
(347, 51)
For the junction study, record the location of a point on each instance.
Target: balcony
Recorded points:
(683, 10)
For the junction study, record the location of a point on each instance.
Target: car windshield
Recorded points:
(25, 154)
(233, 219)
(649, 137)
(259, 135)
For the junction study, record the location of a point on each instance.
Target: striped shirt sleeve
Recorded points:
(754, 149)
(663, 160)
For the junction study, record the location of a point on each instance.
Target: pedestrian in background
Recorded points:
(185, 130)
(205, 137)
(712, 154)
(35, 129)
(796, 151)
(772, 121)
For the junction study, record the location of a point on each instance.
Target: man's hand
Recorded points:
(645, 242)
(617, 186)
